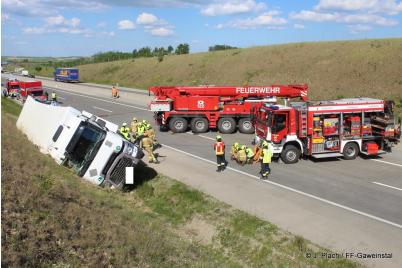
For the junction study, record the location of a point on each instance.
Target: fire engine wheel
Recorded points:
(199, 125)
(246, 126)
(290, 154)
(178, 125)
(227, 125)
(350, 151)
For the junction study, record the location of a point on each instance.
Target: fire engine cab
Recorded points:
(333, 128)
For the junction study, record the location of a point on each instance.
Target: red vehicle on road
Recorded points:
(334, 128)
(32, 88)
(205, 107)
(13, 88)
(21, 90)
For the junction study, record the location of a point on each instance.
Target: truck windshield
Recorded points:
(279, 122)
(84, 146)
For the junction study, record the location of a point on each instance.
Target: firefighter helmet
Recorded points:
(219, 137)
(124, 124)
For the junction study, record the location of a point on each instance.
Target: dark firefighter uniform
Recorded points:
(219, 148)
(265, 158)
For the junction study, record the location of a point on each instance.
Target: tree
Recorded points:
(38, 68)
(182, 49)
(220, 47)
(170, 49)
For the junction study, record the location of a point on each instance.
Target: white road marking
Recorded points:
(385, 185)
(61, 98)
(295, 190)
(96, 107)
(385, 162)
(94, 98)
(202, 136)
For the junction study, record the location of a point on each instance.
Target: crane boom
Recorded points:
(232, 93)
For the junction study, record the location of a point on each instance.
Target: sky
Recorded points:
(84, 27)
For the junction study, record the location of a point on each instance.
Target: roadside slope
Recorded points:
(369, 68)
(51, 217)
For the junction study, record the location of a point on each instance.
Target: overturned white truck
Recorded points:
(82, 141)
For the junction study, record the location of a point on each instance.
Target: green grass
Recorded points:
(50, 217)
(10, 107)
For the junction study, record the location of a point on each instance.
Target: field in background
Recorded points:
(370, 68)
(51, 218)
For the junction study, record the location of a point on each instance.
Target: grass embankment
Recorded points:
(51, 217)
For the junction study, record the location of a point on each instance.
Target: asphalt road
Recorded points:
(371, 188)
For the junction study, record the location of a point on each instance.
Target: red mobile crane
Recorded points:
(205, 107)
(334, 128)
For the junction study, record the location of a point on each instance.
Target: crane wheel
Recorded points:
(178, 125)
(227, 125)
(246, 126)
(199, 125)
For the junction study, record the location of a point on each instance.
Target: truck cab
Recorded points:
(81, 141)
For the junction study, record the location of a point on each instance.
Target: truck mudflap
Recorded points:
(116, 174)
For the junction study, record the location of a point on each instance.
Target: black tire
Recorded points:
(246, 126)
(350, 151)
(199, 125)
(290, 154)
(178, 125)
(227, 125)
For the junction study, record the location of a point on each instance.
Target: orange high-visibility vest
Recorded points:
(219, 148)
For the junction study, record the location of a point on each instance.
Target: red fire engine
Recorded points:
(205, 107)
(13, 87)
(21, 89)
(322, 129)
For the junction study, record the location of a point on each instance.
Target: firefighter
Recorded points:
(125, 131)
(265, 159)
(141, 129)
(150, 132)
(147, 145)
(250, 155)
(233, 150)
(241, 155)
(134, 125)
(54, 97)
(219, 148)
(47, 95)
(115, 92)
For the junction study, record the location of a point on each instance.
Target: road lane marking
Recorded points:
(96, 107)
(294, 190)
(385, 185)
(94, 98)
(385, 162)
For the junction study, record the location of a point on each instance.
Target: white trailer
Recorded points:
(82, 141)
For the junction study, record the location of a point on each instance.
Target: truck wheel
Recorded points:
(227, 125)
(350, 151)
(178, 125)
(246, 126)
(290, 154)
(199, 125)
